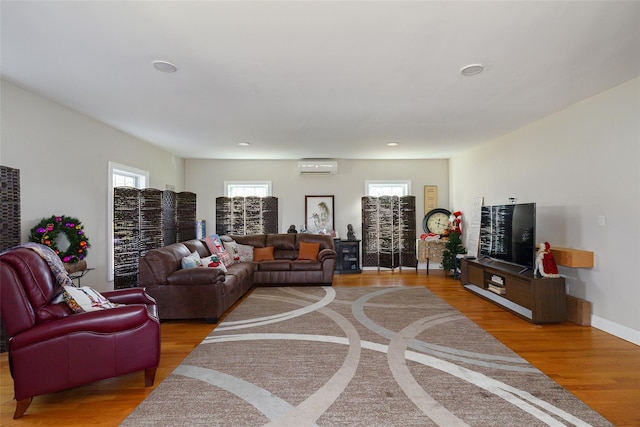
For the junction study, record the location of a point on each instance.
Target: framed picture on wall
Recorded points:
(318, 214)
(430, 198)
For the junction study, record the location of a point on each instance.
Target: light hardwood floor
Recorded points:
(600, 369)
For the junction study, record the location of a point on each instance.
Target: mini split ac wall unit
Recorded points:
(317, 167)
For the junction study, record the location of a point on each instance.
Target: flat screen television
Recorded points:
(508, 233)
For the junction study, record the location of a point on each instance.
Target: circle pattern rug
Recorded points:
(355, 356)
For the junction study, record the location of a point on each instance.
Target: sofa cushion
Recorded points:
(326, 241)
(226, 238)
(263, 254)
(282, 241)
(196, 276)
(306, 265)
(275, 265)
(309, 251)
(199, 246)
(241, 270)
(288, 254)
(255, 240)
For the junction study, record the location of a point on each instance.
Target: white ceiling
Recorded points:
(303, 79)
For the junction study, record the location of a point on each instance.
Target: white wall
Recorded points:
(63, 160)
(206, 178)
(579, 164)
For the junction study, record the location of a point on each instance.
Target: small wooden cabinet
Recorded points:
(538, 300)
(348, 256)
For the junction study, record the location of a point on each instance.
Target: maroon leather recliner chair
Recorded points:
(52, 349)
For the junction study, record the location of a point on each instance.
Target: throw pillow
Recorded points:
(263, 254)
(213, 261)
(232, 248)
(309, 251)
(214, 244)
(226, 258)
(85, 298)
(191, 261)
(245, 252)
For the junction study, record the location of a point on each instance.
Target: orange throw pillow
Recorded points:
(263, 254)
(309, 251)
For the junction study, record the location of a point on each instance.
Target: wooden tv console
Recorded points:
(538, 300)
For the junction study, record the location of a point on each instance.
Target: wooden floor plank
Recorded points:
(600, 369)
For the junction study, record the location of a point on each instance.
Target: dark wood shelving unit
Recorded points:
(538, 300)
(348, 256)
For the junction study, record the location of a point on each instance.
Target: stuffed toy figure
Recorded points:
(215, 261)
(545, 264)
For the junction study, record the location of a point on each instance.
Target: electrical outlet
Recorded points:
(601, 221)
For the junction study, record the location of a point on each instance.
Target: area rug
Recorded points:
(355, 356)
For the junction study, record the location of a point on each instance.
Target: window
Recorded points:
(119, 176)
(387, 188)
(127, 179)
(247, 188)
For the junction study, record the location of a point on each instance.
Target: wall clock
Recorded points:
(436, 221)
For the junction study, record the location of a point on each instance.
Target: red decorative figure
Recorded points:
(545, 264)
(215, 262)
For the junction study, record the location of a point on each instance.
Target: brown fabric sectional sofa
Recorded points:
(204, 292)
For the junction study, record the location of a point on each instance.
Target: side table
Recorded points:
(80, 274)
(430, 250)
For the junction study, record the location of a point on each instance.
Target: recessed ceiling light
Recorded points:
(165, 66)
(244, 144)
(392, 144)
(472, 69)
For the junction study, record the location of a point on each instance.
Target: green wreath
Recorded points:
(47, 231)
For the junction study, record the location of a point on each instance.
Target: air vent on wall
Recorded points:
(317, 167)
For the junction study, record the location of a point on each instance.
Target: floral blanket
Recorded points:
(53, 260)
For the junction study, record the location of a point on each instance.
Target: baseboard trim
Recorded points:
(620, 331)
